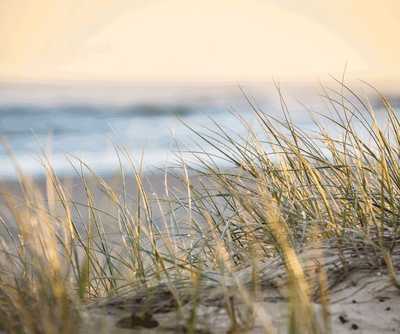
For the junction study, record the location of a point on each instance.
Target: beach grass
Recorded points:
(214, 247)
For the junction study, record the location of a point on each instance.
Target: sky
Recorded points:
(198, 40)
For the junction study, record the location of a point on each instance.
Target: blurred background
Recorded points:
(78, 78)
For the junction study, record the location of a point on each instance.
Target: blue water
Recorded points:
(72, 122)
(87, 122)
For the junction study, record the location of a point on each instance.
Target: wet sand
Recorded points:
(154, 184)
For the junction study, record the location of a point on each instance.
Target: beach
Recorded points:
(199, 167)
(361, 298)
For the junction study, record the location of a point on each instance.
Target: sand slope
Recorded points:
(362, 300)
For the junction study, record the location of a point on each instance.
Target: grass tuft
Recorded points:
(217, 244)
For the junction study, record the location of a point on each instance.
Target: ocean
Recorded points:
(73, 122)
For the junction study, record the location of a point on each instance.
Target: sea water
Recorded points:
(70, 123)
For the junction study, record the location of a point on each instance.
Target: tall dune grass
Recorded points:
(283, 191)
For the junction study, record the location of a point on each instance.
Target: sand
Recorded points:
(362, 299)
(154, 183)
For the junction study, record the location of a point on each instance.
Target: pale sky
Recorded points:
(198, 40)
